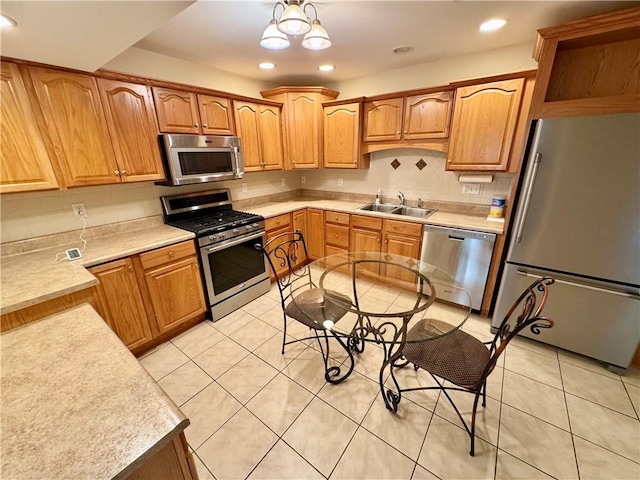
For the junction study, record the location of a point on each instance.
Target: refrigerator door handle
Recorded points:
(581, 285)
(527, 196)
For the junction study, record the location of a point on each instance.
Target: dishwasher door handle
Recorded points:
(457, 239)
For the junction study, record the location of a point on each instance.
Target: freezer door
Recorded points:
(583, 212)
(589, 319)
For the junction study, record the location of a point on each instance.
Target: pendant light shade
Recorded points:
(317, 38)
(294, 21)
(274, 39)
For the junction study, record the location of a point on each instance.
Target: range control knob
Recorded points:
(212, 237)
(255, 225)
(248, 227)
(221, 236)
(235, 231)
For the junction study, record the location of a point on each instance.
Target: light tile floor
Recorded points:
(258, 414)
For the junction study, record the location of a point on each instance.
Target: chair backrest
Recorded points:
(530, 304)
(283, 253)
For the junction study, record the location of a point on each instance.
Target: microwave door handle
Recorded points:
(224, 245)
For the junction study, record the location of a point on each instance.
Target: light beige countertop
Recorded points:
(440, 218)
(30, 278)
(76, 403)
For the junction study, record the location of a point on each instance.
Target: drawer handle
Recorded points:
(277, 222)
(171, 254)
(130, 267)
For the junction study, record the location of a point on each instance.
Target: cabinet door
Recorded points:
(25, 162)
(133, 129)
(121, 302)
(248, 131)
(342, 136)
(427, 116)
(315, 237)
(177, 111)
(76, 124)
(176, 292)
(401, 245)
(366, 241)
(281, 268)
(484, 121)
(383, 120)
(270, 130)
(303, 119)
(216, 115)
(300, 223)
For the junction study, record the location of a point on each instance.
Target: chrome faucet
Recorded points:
(401, 197)
(419, 202)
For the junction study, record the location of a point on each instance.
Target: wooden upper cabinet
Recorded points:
(177, 111)
(76, 124)
(259, 128)
(187, 112)
(589, 67)
(383, 120)
(483, 126)
(25, 164)
(302, 123)
(215, 115)
(417, 120)
(427, 116)
(342, 133)
(270, 126)
(132, 124)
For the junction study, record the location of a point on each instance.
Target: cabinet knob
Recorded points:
(124, 172)
(336, 219)
(378, 240)
(398, 132)
(405, 131)
(386, 241)
(205, 125)
(117, 172)
(171, 254)
(196, 125)
(448, 161)
(130, 267)
(277, 222)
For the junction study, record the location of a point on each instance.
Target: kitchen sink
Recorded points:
(413, 211)
(397, 209)
(379, 207)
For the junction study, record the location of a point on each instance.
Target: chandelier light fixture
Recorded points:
(295, 22)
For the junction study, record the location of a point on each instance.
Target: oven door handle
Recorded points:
(235, 242)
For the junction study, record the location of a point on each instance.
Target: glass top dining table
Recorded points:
(383, 298)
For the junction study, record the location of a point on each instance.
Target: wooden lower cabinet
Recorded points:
(315, 233)
(121, 302)
(173, 461)
(275, 226)
(146, 297)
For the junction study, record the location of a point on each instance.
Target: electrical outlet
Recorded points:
(78, 210)
(340, 182)
(303, 179)
(471, 188)
(244, 188)
(283, 182)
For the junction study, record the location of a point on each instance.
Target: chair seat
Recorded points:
(457, 357)
(317, 309)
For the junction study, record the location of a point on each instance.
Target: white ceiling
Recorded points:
(226, 34)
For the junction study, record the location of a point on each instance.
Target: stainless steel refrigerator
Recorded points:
(578, 220)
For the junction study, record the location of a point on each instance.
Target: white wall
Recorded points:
(137, 61)
(440, 72)
(430, 183)
(28, 215)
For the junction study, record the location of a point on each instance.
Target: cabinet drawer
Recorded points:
(280, 221)
(338, 235)
(337, 217)
(167, 254)
(405, 228)
(361, 221)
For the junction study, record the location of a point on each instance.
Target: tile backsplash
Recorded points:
(34, 214)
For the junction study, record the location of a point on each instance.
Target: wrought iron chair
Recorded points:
(283, 252)
(465, 361)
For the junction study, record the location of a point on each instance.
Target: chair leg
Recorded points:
(284, 335)
(484, 393)
(473, 423)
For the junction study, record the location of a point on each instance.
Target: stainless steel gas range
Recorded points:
(233, 271)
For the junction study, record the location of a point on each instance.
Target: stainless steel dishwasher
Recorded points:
(465, 254)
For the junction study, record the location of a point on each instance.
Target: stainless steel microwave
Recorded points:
(190, 159)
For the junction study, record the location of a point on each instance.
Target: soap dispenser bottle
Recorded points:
(378, 197)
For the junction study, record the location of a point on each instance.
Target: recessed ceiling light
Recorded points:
(267, 65)
(493, 24)
(402, 50)
(326, 68)
(7, 21)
